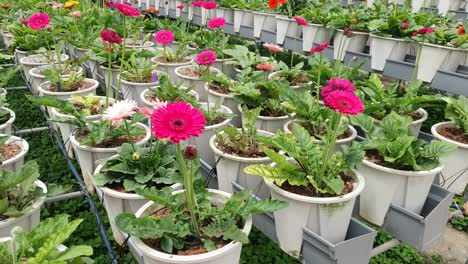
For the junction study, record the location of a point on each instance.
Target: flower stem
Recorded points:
(121, 60)
(189, 192)
(329, 145)
(130, 139)
(109, 77)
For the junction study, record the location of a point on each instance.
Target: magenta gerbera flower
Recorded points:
(197, 3)
(127, 10)
(39, 21)
(337, 84)
(423, 31)
(177, 121)
(110, 36)
(180, 6)
(217, 22)
(300, 21)
(164, 37)
(206, 57)
(319, 48)
(209, 5)
(344, 102)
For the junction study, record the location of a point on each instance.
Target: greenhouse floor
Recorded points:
(453, 248)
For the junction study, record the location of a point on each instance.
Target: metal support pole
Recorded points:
(384, 247)
(65, 196)
(30, 130)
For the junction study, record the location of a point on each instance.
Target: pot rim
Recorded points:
(10, 120)
(173, 64)
(189, 77)
(323, 200)
(200, 258)
(444, 47)
(148, 103)
(224, 109)
(372, 35)
(436, 134)
(77, 144)
(87, 90)
(29, 63)
(355, 32)
(415, 122)
(403, 172)
(217, 151)
(24, 149)
(268, 118)
(275, 73)
(55, 112)
(33, 73)
(138, 84)
(229, 96)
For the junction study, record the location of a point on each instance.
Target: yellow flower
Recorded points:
(71, 4)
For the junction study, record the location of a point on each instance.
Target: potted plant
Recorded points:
(381, 101)
(21, 198)
(191, 75)
(139, 75)
(312, 115)
(235, 149)
(36, 60)
(12, 152)
(7, 116)
(265, 94)
(74, 83)
(134, 167)
(389, 34)
(295, 76)
(319, 184)
(398, 168)
(44, 243)
(244, 59)
(168, 91)
(215, 222)
(454, 175)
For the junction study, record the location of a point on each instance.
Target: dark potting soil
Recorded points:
(113, 143)
(147, 79)
(253, 151)
(193, 72)
(454, 133)
(216, 87)
(374, 157)
(83, 85)
(310, 191)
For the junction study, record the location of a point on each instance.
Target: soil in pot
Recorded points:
(374, 157)
(163, 60)
(294, 80)
(219, 88)
(216, 121)
(310, 191)
(193, 72)
(253, 151)
(152, 98)
(195, 247)
(83, 85)
(112, 143)
(8, 151)
(453, 133)
(272, 113)
(147, 79)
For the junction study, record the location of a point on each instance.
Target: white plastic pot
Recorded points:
(286, 27)
(435, 57)
(27, 221)
(339, 143)
(263, 21)
(87, 155)
(415, 126)
(224, 67)
(139, 45)
(382, 48)
(267, 123)
(229, 102)
(230, 168)
(226, 13)
(169, 68)
(116, 202)
(407, 189)
(5, 128)
(19, 54)
(448, 5)
(67, 129)
(150, 105)
(197, 82)
(416, 5)
(244, 18)
(37, 77)
(342, 43)
(202, 142)
(455, 172)
(8, 39)
(37, 60)
(132, 91)
(327, 217)
(16, 163)
(43, 89)
(315, 33)
(229, 254)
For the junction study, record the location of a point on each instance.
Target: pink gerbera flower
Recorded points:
(197, 3)
(180, 6)
(319, 48)
(344, 102)
(110, 36)
(177, 121)
(127, 10)
(300, 21)
(24, 21)
(76, 14)
(217, 22)
(337, 84)
(39, 21)
(109, 4)
(164, 37)
(273, 48)
(120, 110)
(206, 57)
(209, 5)
(265, 67)
(423, 31)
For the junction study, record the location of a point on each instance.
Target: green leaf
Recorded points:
(437, 149)
(8, 179)
(3, 205)
(101, 179)
(228, 230)
(163, 197)
(397, 148)
(75, 252)
(209, 245)
(167, 244)
(336, 184)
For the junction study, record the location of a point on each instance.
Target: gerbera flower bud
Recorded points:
(190, 153)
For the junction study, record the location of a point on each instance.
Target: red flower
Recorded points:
(300, 21)
(423, 31)
(127, 10)
(209, 5)
(177, 121)
(109, 4)
(217, 22)
(151, 10)
(180, 6)
(265, 67)
(24, 21)
(6, 7)
(319, 48)
(461, 30)
(348, 32)
(337, 84)
(190, 152)
(344, 102)
(274, 3)
(197, 3)
(404, 25)
(110, 36)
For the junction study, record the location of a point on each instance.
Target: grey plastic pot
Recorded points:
(228, 254)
